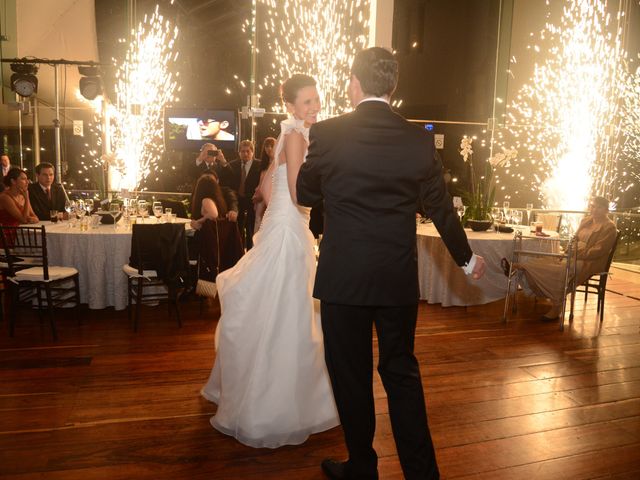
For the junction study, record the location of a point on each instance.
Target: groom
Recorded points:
(371, 167)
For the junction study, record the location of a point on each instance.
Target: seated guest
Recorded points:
(45, 195)
(207, 202)
(15, 207)
(595, 235)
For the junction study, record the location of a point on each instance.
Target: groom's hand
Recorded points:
(479, 268)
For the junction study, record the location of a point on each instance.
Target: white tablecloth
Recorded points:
(98, 255)
(442, 281)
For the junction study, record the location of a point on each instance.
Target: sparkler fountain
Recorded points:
(567, 119)
(144, 85)
(318, 38)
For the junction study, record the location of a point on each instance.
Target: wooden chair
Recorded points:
(550, 221)
(159, 263)
(25, 247)
(597, 283)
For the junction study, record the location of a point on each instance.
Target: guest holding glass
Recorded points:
(46, 195)
(266, 157)
(15, 206)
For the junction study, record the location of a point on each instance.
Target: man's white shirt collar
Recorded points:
(373, 99)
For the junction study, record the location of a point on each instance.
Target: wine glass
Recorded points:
(529, 210)
(114, 211)
(505, 208)
(157, 210)
(142, 209)
(517, 217)
(80, 209)
(68, 207)
(496, 214)
(460, 209)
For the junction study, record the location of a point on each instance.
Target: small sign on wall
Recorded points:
(438, 138)
(78, 128)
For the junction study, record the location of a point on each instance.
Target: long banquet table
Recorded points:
(444, 282)
(98, 255)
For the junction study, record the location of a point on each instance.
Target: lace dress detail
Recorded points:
(269, 378)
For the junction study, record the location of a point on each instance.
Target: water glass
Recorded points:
(53, 216)
(157, 210)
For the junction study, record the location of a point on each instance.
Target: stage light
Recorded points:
(24, 81)
(90, 83)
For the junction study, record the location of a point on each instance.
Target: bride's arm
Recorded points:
(294, 149)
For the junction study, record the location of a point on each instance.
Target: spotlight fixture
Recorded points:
(90, 83)
(24, 81)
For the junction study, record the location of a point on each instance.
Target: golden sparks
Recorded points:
(144, 85)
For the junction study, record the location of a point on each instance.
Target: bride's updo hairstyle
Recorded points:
(291, 86)
(377, 70)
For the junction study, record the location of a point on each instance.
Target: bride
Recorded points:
(269, 378)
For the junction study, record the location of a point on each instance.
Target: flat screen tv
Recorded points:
(190, 128)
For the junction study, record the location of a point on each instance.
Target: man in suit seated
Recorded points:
(45, 195)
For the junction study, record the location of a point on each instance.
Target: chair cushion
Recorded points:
(133, 272)
(36, 274)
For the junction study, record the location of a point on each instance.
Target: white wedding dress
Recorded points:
(269, 378)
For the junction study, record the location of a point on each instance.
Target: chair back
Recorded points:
(160, 247)
(22, 243)
(220, 246)
(176, 207)
(550, 221)
(613, 251)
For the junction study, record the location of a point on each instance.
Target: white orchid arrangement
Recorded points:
(480, 199)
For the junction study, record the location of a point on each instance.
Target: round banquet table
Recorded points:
(442, 281)
(99, 255)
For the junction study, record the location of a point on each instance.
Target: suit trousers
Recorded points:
(348, 336)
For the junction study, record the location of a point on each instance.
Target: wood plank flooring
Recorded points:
(516, 401)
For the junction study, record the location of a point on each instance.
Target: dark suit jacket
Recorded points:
(41, 204)
(371, 166)
(230, 177)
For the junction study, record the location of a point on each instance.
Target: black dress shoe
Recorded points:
(333, 469)
(546, 319)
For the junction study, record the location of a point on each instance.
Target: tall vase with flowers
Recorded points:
(479, 199)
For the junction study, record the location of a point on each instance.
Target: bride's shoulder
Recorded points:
(292, 125)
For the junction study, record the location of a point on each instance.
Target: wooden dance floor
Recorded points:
(517, 401)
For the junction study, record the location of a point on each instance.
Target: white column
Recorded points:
(381, 23)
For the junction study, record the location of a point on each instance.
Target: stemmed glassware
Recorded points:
(142, 209)
(529, 210)
(497, 216)
(505, 209)
(460, 209)
(114, 211)
(516, 217)
(70, 207)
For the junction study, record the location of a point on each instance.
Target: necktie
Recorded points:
(49, 194)
(243, 178)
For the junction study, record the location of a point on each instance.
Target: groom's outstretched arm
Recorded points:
(309, 182)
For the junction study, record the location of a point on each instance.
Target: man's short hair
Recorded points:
(246, 143)
(42, 166)
(377, 71)
(600, 202)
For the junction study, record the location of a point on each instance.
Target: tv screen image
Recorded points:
(189, 129)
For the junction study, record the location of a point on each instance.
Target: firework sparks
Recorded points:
(566, 121)
(144, 85)
(317, 38)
